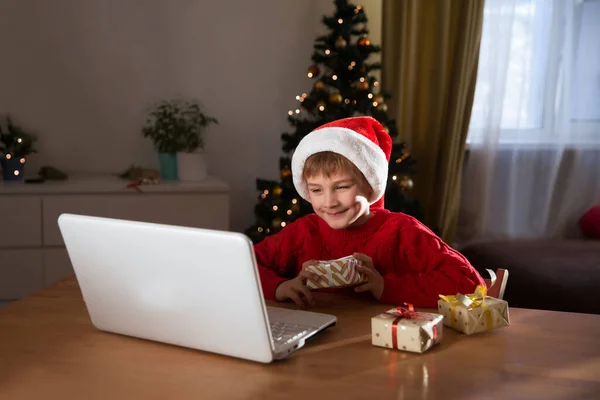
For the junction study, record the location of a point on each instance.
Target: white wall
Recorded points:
(81, 74)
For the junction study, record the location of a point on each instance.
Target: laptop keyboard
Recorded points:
(284, 333)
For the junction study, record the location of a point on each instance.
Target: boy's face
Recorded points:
(341, 200)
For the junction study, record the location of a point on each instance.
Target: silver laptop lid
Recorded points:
(191, 287)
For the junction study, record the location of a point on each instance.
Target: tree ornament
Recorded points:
(335, 98)
(363, 85)
(319, 85)
(277, 190)
(340, 42)
(313, 71)
(364, 41)
(406, 183)
(382, 107)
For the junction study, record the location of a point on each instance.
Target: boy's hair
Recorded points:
(328, 163)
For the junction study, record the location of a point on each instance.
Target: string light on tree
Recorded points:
(8, 156)
(340, 21)
(334, 77)
(327, 51)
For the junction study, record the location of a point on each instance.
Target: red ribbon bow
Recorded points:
(408, 313)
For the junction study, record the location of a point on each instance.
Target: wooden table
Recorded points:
(49, 349)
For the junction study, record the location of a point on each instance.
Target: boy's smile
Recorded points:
(340, 200)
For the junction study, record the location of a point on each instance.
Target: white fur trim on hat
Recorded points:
(368, 157)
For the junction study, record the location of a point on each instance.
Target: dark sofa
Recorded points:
(562, 275)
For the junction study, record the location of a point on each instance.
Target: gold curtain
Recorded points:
(430, 52)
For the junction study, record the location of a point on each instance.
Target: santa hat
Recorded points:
(362, 140)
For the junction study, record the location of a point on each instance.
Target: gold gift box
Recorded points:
(473, 313)
(406, 330)
(335, 273)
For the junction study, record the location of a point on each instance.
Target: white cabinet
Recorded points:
(32, 253)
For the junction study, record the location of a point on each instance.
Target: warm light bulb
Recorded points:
(310, 74)
(263, 196)
(394, 177)
(370, 95)
(301, 99)
(266, 191)
(353, 63)
(375, 104)
(8, 156)
(327, 51)
(283, 224)
(350, 67)
(362, 79)
(294, 201)
(260, 229)
(375, 83)
(347, 101)
(334, 77)
(353, 101)
(19, 140)
(304, 95)
(340, 21)
(297, 97)
(290, 112)
(357, 9)
(289, 212)
(22, 160)
(16, 172)
(275, 208)
(297, 111)
(268, 230)
(321, 108)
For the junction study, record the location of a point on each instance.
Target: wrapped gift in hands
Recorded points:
(339, 273)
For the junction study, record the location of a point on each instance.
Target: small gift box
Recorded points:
(335, 273)
(474, 312)
(407, 330)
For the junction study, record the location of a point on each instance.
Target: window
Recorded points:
(518, 93)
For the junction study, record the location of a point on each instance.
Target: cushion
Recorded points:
(590, 223)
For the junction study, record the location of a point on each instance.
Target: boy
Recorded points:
(341, 168)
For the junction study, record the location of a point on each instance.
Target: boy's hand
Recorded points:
(296, 289)
(374, 279)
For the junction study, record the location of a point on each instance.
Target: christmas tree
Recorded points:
(343, 86)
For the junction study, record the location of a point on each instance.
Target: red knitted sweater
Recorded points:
(416, 265)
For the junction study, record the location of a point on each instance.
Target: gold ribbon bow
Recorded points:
(471, 301)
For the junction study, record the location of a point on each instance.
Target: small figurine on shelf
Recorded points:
(140, 176)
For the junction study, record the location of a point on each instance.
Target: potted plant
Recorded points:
(15, 146)
(177, 129)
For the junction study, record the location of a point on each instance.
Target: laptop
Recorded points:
(190, 287)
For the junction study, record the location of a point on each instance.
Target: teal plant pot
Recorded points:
(168, 166)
